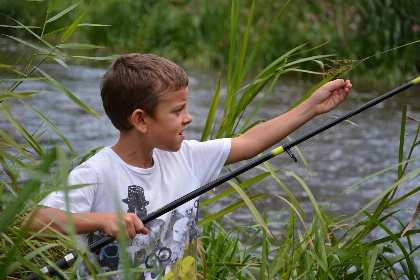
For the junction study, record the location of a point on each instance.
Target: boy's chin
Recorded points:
(173, 149)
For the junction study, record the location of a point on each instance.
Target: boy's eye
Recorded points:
(179, 110)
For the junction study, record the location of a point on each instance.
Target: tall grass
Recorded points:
(29, 169)
(327, 247)
(330, 247)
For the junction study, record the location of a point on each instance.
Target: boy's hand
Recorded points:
(329, 96)
(132, 224)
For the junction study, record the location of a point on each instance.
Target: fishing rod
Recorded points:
(68, 260)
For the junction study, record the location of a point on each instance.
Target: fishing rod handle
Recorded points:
(63, 263)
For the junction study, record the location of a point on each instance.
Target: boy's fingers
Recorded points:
(334, 85)
(139, 227)
(131, 230)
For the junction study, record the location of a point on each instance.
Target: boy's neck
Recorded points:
(133, 151)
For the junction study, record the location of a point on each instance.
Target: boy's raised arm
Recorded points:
(265, 135)
(58, 220)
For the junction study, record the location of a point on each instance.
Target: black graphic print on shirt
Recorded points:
(162, 249)
(136, 201)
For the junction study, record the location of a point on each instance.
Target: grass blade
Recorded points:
(26, 191)
(397, 241)
(65, 11)
(212, 112)
(227, 210)
(77, 46)
(250, 205)
(22, 131)
(66, 92)
(72, 27)
(402, 137)
(15, 145)
(232, 191)
(50, 124)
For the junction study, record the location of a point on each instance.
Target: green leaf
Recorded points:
(250, 205)
(61, 62)
(66, 92)
(54, 6)
(94, 24)
(242, 130)
(311, 58)
(29, 44)
(383, 193)
(18, 26)
(27, 190)
(373, 260)
(15, 145)
(10, 68)
(12, 158)
(311, 197)
(72, 28)
(54, 32)
(77, 46)
(262, 272)
(95, 57)
(23, 79)
(65, 11)
(22, 130)
(232, 191)
(228, 209)
(212, 112)
(50, 124)
(65, 28)
(397, 241)
(289, 194)
(34, 34)
(402, 137)
(5, 94)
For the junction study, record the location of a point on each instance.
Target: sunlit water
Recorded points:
(337, 159)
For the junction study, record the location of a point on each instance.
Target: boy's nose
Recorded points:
(187, 118)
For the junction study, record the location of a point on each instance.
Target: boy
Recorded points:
(145, 96)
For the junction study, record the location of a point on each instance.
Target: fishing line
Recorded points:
(69, 259)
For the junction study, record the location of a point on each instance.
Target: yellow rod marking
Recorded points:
(277, 151)
(416, 81)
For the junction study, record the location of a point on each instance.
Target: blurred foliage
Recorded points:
(196, 33)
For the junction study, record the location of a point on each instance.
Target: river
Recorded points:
(337, 159)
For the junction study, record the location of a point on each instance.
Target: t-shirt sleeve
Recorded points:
(79, 198)
(207, 158)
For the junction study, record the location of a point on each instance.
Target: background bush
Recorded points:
(196, 33)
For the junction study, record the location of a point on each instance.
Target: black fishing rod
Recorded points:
(68, 260)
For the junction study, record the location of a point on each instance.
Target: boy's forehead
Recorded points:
(178, 95)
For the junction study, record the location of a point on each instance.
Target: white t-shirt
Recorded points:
(119, 187)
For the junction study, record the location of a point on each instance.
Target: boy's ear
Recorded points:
(137, 119)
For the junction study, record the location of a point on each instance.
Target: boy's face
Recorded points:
(170, 121)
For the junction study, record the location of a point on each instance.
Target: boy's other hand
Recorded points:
(329, 95)
(133, 225)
